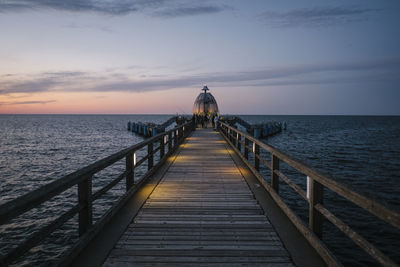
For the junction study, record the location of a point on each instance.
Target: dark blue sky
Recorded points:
(257, 57)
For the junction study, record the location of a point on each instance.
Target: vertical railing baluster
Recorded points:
(274, 176)
(316, 195)
(175, 138)
(150, 155)
(246, 148)
(129, 170)
(256, 154)
(239, 142)
(169, 142)
(162, 146)
(85, 202)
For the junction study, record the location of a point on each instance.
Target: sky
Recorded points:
(154, 56)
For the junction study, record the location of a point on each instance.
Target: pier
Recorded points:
(260, 130)
(201, 212)
(202, 200)
(152, 129)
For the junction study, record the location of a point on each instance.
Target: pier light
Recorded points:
(165, 139)
(308, 187)
(254, 147)
(183, 128)
(134, 159)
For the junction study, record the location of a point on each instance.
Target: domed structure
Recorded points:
(205, 103)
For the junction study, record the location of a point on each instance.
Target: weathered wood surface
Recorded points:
(202, 213)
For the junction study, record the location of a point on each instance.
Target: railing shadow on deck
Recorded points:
(243, 143)
(167, 143)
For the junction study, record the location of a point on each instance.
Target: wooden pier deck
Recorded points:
(201, 213)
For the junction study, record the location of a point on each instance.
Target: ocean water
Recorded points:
(360, 151)
(38, 149)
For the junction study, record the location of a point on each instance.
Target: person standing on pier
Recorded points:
(215, 122)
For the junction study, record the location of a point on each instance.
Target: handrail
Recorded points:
(83, 178)
(314, 195)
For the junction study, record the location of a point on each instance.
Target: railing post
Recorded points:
(169, 142)
(129, 171)
(246, 148)
(175, 138)
(162, 147)
(151, 156)
(239, 142)
(85, 201)
(316, 195)
(256, 154)
(274, 176)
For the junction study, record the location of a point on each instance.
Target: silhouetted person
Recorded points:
(215, 122)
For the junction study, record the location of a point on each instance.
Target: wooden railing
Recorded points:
(168, 140)
(316, 182)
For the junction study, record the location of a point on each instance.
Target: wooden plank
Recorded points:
(205, 217)
(185, 259)
(213, 252)
(192, 238)
(176, 264)
(202, 226)
(204, 264)
(203, 211)
(242, 243)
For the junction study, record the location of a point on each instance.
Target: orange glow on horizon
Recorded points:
(155, 102)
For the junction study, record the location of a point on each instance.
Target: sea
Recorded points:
(362, 152)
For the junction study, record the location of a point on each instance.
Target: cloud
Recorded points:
(189, 11)
(90, 27)
(116, 7)
(367, 71)
(27, 102)
(317, 16)
(159, 8)
(44, 82)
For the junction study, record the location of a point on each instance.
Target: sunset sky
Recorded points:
(154, 56)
